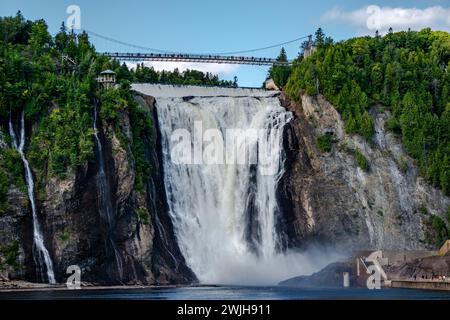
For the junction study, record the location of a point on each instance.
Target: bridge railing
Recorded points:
(193, 58)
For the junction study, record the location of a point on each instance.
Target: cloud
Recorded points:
(382, 18)
(215, 68)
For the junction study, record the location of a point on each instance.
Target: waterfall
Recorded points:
(40, 252)
(225, 215)
(104, 200)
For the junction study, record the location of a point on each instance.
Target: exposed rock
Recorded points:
(169, 265)
(329, 277)
(425, 268)
(324, 197)
(14, 232)
(76, 234)
(327, 198)
(269, 84)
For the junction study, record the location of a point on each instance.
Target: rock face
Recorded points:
(75, 234)
(325, 197)
(329, 277)
(425, 268)
(269, 84)
(13, 231)
(13, 235)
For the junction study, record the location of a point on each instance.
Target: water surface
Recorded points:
(230, 293)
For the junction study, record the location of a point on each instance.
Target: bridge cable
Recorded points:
(263, 48)
(127, 44)
(174, 52)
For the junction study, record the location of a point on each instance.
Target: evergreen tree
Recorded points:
(319, 37)
(280, 73)
(405, 71)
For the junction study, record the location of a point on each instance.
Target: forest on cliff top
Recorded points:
(405, 73)
(53, 80)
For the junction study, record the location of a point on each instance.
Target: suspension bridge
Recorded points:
(195, 58)
(236, 57)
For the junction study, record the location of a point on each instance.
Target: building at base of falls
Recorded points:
(418, 269)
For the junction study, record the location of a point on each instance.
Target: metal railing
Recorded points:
(195, 58)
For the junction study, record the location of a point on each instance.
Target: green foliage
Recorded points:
(423, 210)
(402, 164)
(440, 230)
(325, 142)
(55, 92)
(144, 74)
(64, 139)
(111, 104)
(361, 161)
(407, 72)
(141, 124)
(280, 74)
(12, 164)
(4, 187)
(113, 101)
(392, 124)
(15, 30)
(53, 80)
(8, 255)
(40, 39)
(448, 215)
(64, 236)
(143, 215)
(11, 173)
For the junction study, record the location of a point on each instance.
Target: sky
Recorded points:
(213, 26)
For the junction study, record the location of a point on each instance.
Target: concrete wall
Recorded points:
(396, 258)
(445, 248)
(426, 285)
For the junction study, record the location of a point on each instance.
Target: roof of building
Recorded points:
(107, 72)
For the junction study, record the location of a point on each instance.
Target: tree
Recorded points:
(280, 73)
(122, 73)
(235, 82)
(440, 230)
(61, 38)
(319, 37)
(282, 57)
(407, 72)
(376, 76)
(366, 126)
(40, 39)
(15, 30)
(304, 45)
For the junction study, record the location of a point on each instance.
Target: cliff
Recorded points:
(76, 234)
(327, 198)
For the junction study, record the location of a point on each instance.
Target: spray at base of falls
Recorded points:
(40, 252)
(104, 200)
(226, 216)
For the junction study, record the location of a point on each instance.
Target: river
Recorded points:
(229, 293)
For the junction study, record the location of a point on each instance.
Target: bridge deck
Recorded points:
(194, 58)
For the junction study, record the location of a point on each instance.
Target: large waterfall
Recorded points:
(40, 252)
(225, 213)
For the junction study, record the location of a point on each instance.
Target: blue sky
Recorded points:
(199, 26)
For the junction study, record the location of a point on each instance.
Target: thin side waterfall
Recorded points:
(225, 216)
(40, 252)
(104, 200)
